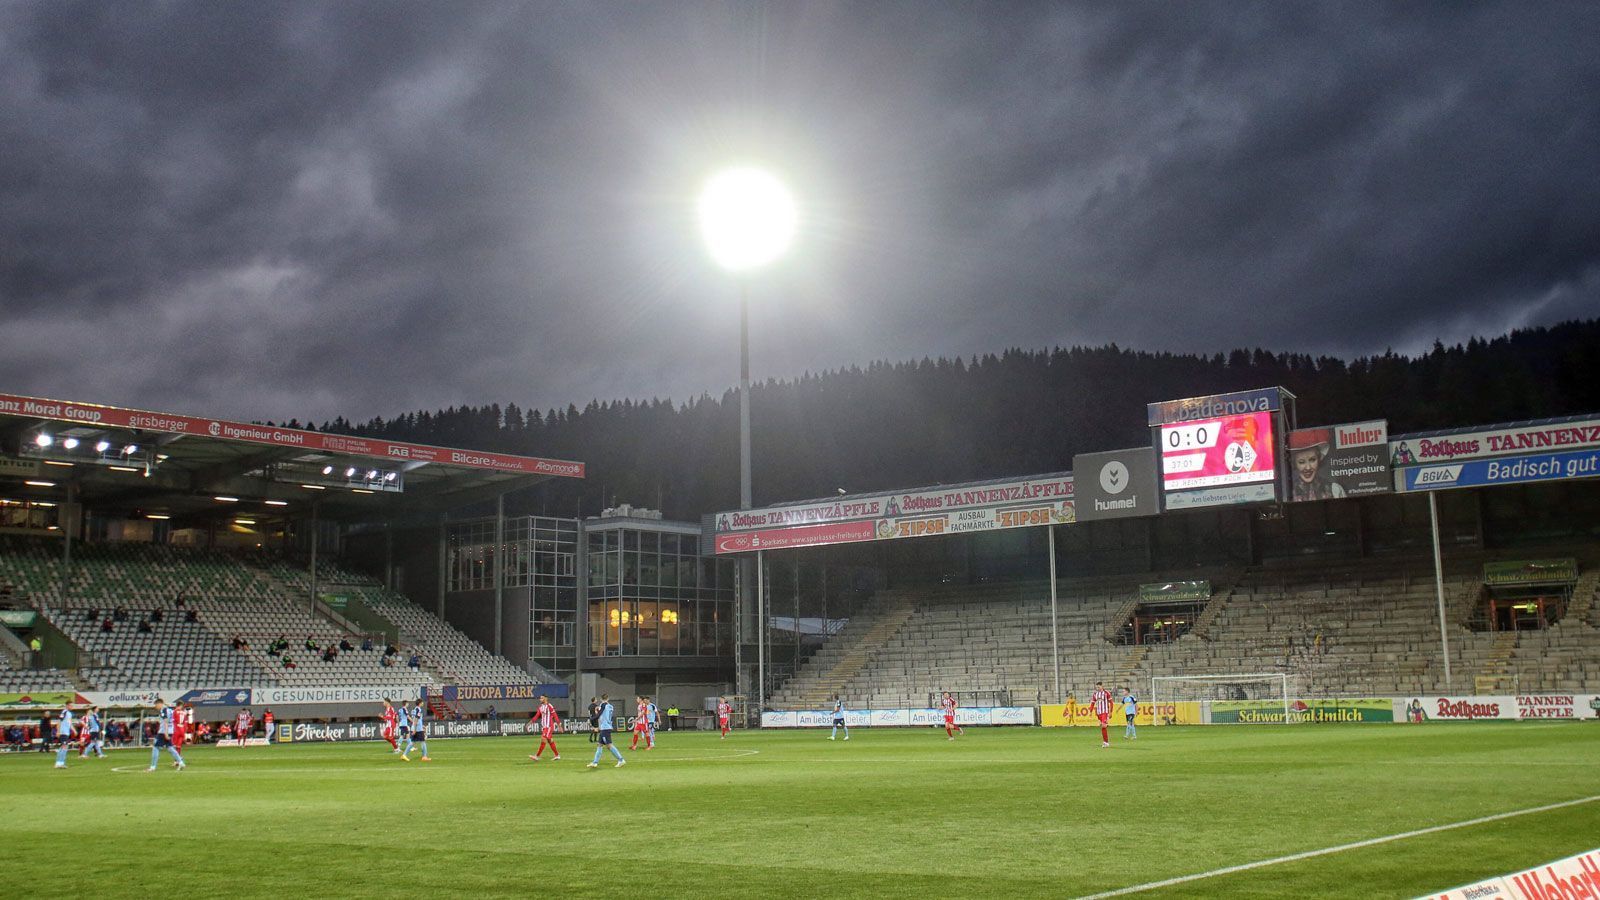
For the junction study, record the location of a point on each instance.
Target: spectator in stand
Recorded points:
(179, 602)
(191, 615)
(345, 645)
(144, 626)
(386, 661)
(311, 645)
(366, 644)
(390, 650)
(330, 654)
(92, 615)
(415, 662)
(289, 663)
(106, 625)
(120, 614)
(156, 615)
(35, 643)
(237, 642)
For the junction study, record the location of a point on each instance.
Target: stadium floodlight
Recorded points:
(372, 474)
(43, 440)
(276, 502)
(225, 499)
(70, 443)
(314, 487)
(390, 477)
(245, 521)
(130, 450)
(102, 446)
(159, 517)
(327, 470)
(747, 218)
(34, 483)
(350, 472)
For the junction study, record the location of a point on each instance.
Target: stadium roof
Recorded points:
(136, 462)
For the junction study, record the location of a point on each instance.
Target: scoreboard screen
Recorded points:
(1218, 452)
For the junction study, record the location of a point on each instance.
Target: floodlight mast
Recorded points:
(747, 219)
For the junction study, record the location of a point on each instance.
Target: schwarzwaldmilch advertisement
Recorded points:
(1339, 461)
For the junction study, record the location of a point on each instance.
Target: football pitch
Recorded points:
(901, 813)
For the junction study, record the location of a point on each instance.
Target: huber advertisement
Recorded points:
(1339, 461)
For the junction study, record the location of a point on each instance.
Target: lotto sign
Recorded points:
(1218, 452)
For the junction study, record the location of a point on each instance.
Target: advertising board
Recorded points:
(1339, 461)
(1502, 470)
(1119, 484)
(980, 506)
(1498, 440)
(292, 438)
(893, 718)
(1304, 712)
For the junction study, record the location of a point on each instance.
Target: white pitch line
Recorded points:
(1326, 851)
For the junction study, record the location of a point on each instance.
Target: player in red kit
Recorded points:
(1100, 702)
(948, 704)
(181, 717)
(724, 713)
(641, 725)
(389, 716)
(547, 720)
(242, 724)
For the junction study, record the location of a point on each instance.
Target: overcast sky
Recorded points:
(274, 210)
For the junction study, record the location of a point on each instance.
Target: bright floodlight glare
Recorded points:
(102, 446)
(747, 218)
(70, 443)
(43, 440)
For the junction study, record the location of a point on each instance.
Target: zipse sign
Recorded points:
(898, 504)
(171, 423)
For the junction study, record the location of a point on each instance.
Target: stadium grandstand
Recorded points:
(1443, 564)
(144, 552)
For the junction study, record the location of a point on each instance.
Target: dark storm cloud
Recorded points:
(277, 210)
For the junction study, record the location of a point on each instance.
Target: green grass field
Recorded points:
(1001, 812)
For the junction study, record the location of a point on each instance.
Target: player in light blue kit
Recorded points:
(838, 718)
(418, 733)
(653, 719)
(1130, 708)
(164, 733)
(63, 736)
(92, 741)
(608, 719)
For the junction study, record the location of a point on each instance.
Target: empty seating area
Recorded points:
(456, 656)
(252, 597)
(1363, 628)
(174, 653)
(261, 622)
(31, 680)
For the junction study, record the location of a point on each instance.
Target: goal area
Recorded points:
(1271, 686)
